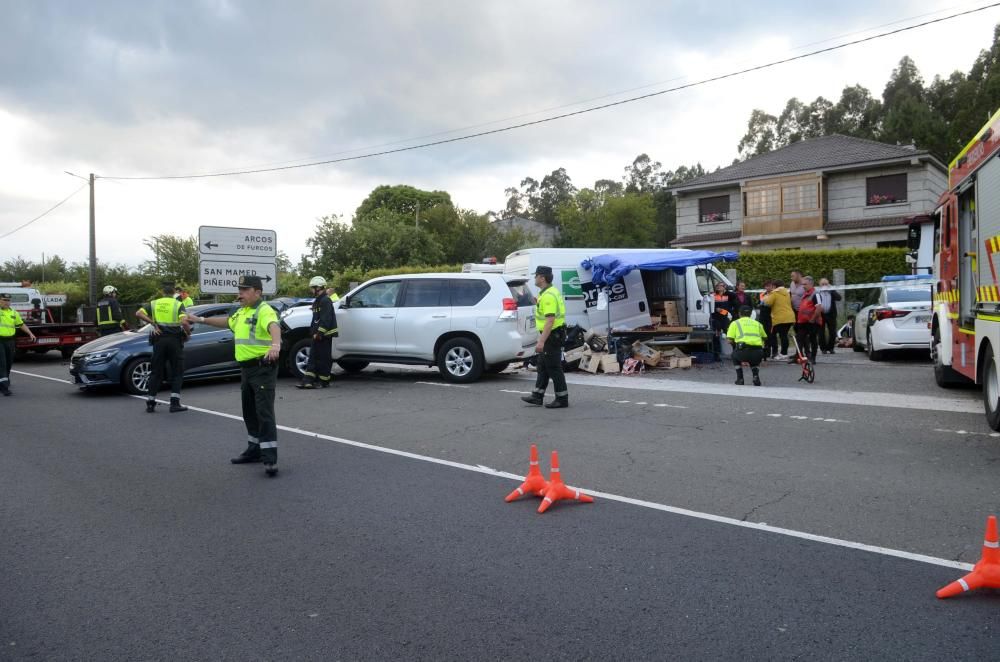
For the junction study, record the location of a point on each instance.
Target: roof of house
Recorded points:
(814, 154)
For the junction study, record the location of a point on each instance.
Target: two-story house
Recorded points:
(830, 192)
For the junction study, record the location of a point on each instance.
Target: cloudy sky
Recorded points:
(172, 87)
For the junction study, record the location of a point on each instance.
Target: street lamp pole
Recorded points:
(93, 247)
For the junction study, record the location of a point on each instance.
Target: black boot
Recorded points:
(306, 385)
(756, 377)
(558, 403)
(271, 469)
(250, 456)
(533, 399)
(739, 378)
(176, 406)
(150, 406)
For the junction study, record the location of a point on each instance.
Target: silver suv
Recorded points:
(464, 324)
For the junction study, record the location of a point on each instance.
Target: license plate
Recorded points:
(923, 319)
(48, 341)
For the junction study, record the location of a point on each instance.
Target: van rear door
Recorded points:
(525, 300)
(627, 305)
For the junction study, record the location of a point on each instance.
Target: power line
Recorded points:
(553, 118)
(45, 213)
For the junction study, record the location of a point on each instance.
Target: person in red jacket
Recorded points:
(809, 320)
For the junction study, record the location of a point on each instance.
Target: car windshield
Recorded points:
(908, 295)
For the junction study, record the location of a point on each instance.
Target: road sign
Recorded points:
(215, 241)
(222, 277)
(54, 299)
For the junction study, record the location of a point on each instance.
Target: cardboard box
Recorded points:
(670, 316)
(591, 363)
(609, 364)
(576, 354)
(645, 353)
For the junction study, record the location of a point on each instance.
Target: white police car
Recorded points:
(900, 319)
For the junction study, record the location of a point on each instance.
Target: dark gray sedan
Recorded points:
(123, 359)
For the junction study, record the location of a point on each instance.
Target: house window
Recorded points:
(712, 210)
(886, 189)
(800, 197)
(763, 201)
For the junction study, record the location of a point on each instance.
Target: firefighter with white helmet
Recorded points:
(323, 330)
(109, 312)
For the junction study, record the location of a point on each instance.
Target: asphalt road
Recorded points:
(131, 536)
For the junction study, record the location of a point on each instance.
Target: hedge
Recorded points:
(866, 265)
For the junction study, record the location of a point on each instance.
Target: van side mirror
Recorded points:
(345, 302)
(913, 237)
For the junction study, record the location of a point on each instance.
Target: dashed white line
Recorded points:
(970, 434)
(720, 519)
(442, 384)
(507, 390)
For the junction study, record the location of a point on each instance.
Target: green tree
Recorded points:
(628, 221)
(402, 200)
(173, 257)
(761, 136)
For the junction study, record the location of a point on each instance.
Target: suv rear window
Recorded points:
(522, 295)
(426, 293)
(468, 292)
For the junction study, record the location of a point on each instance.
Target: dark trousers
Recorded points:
(320, 360)
(550, 366)
(780, 331)
(6, 361)
(257, 385)
(808, 336)
(828, 332)
(168, 353)
(747, 354)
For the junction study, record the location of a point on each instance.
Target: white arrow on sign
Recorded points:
(238, 242)
(223, 277)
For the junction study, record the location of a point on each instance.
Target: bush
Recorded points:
(860, 265)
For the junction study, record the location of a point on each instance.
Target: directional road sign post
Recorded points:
(225, 254)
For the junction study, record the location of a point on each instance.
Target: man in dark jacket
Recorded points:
(323, 329)
(828, 300)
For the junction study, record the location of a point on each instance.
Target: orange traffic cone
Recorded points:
(558, 490)
(986, 573)
(534, 482)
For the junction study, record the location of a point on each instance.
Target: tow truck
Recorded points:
(49, 334)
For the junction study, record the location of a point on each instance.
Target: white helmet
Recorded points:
(317, 281)
(109, 290)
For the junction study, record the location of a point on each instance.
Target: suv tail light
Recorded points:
(509, 313)
(888, 313)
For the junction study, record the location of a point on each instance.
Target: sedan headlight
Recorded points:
(100, 357)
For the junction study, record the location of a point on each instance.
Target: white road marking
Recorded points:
(507, 390)
(640, 403)
(775, 415)
(441, 384)
(720, 519)
(953, 404)
(970, 434)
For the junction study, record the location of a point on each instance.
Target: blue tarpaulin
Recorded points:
(610, 268)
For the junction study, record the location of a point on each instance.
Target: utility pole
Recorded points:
(418, 215)
(43, 267)
(93, 247)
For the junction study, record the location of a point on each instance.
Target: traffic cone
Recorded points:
(558, 490)
(534, 482)
(986, 573)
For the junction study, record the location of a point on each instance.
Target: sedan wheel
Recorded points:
(135, 378)
(298, 358)
(873, 354)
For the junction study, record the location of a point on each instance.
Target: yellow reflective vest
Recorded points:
(10, 319)
(250, 331)
(550, 302)
(166, 313)
(747, 331)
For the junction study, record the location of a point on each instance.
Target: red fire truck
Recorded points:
(965, 330)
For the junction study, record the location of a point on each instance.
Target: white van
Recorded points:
(21, 296)
(630, 300)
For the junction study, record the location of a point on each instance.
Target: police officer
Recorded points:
(323, 330)
(181, 294)
(550, 320)
(170, 329)
(747, 336)
(109, 313)
(10, 322)
(258, 345)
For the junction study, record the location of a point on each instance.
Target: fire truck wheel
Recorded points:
(991, 389)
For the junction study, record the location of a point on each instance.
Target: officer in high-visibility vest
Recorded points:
(170, 328)
(258, 345)
(181, 294)
(747, 336)
(323, 330)
(550, 320)
(109, 313)
(10, 323)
